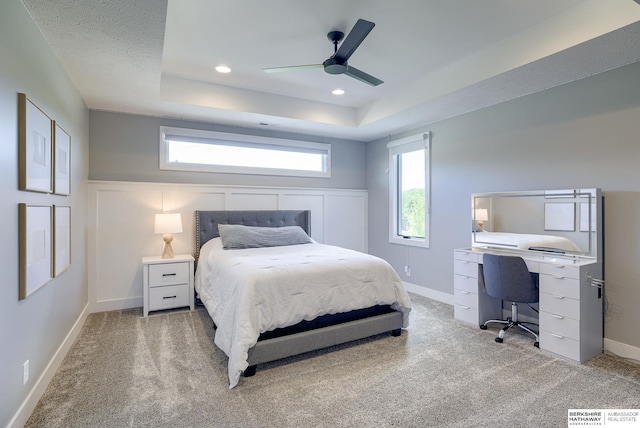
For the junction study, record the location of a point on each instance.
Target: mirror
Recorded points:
(567, 222)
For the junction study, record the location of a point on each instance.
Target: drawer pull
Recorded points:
(168, 274)
(558, 297)
(465, 307)
(169, 297)
(464, 292)
(560, 317)
(558, 336)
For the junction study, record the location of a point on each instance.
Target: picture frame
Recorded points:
(560, 216)
(61, 239)
(35, 248)
(35, 147)
(61, 161)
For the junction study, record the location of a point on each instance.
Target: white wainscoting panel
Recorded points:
(351, 230)
(121, 216)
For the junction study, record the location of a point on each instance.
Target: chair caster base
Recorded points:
(483, 327)
(536, 344)
(499, 339)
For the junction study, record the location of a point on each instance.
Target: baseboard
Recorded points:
(30, 402)
(622, 349)
(429, 293)
(115, 305)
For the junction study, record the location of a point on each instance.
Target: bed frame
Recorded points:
(329, 330)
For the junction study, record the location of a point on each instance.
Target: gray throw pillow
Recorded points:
(235, 236)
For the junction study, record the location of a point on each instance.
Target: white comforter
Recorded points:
(251, 291)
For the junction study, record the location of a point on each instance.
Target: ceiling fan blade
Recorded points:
(290, 68)
(353, 40)
(362, 76)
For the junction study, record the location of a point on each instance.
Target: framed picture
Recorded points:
(35, 260)
(34, 153)
(560, 216)
(61, 161)
(61, 239)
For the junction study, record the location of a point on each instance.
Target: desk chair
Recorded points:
(508, 278)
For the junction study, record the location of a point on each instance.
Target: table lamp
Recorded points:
(167, 224)
(480, 216)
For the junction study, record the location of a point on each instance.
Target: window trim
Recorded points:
(396, 148)
(239, 140)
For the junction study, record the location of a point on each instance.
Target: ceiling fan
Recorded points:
(337, 63)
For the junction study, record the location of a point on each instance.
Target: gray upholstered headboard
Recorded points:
(207, 222)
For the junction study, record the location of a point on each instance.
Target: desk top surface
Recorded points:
(543, 257)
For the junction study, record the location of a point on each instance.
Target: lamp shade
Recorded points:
(481, 214)
(168, 223)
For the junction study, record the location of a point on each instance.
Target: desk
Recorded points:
(571, 308)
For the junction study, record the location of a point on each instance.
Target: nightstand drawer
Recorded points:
(168, 274)
(170, 296)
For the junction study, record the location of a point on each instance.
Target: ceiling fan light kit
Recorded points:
(338, 62)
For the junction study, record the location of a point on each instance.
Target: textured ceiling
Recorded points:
(438, 59)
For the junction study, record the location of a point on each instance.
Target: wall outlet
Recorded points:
(25, 372)
(407, 270)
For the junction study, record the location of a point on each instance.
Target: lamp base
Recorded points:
(167, 253)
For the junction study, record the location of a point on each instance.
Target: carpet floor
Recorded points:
(165, 371)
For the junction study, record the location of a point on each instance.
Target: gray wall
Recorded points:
(582, 134)
(34, 328)
(125, 147)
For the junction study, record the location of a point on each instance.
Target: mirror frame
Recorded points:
(562, 214)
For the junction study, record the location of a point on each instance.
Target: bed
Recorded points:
(271, 302)
(523, 241)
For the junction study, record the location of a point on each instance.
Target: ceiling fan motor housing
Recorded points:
(335, 65)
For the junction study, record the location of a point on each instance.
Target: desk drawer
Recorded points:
(564, 271)
(464, 255)
(465, 283)
(559, 286)
(560, 345)
(168, 274)
(465, 268)
(559, 305)
(559, 324)
(465, 298)
(466, 314)
(170, 296)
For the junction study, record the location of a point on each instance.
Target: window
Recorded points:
(409, 190)
(196, 150)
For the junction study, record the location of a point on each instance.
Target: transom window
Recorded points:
(409, 190)
(196, 150)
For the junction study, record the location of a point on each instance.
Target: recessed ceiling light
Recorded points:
(338, 92)
(223, 69)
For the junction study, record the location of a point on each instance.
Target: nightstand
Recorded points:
(167, 283)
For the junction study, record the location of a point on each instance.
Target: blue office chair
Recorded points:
(508, 278)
